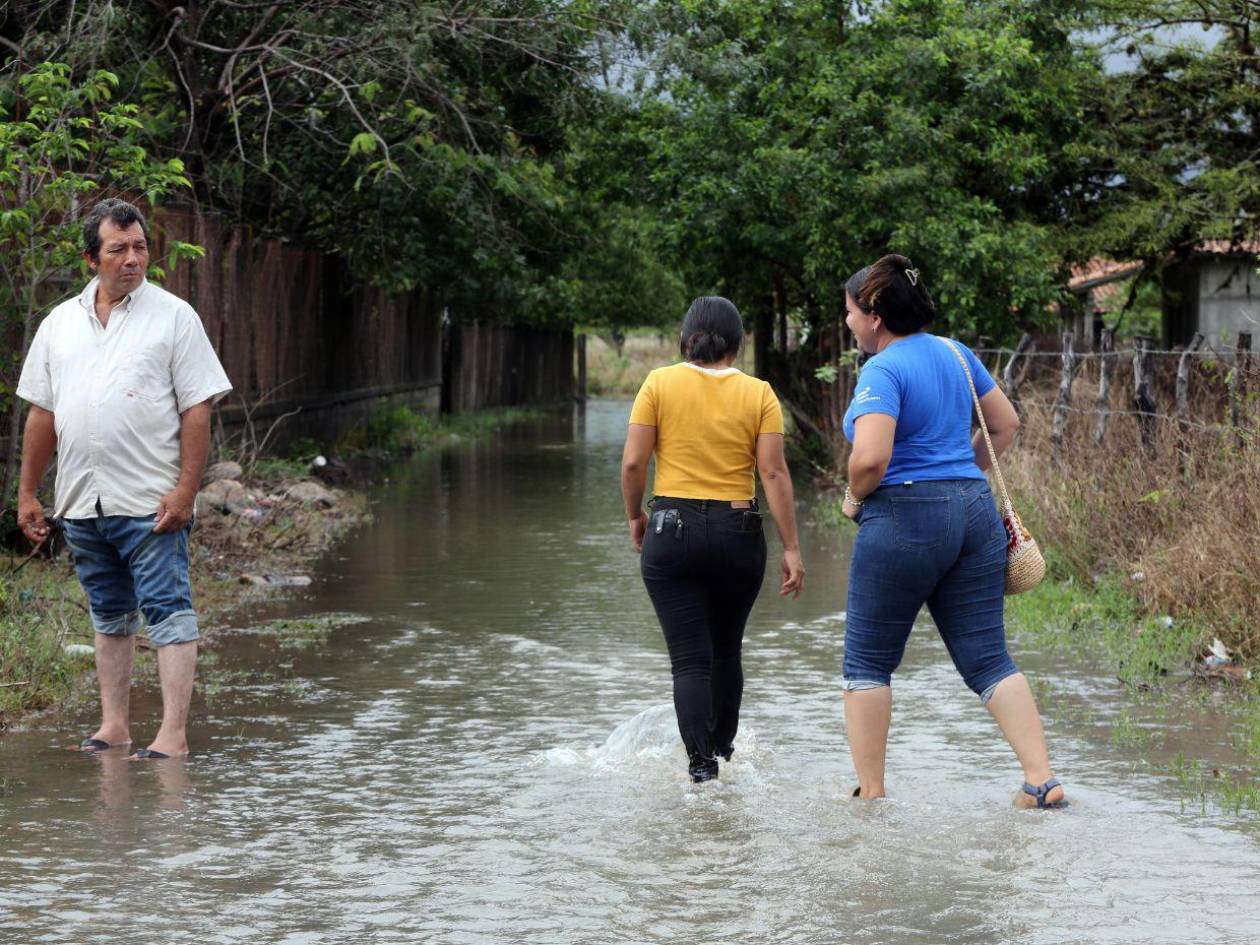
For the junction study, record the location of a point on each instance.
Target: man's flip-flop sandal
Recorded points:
(94, 744)
(1040, 794)
(147, 753)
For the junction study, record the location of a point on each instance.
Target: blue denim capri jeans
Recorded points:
(939, 543)
(134, 576)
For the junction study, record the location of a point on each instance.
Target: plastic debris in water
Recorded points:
(288, 580)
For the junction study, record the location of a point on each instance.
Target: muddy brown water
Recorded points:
(478, 747)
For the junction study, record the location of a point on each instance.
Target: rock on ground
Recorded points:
(225, 495)
(312, 493)
(224, 470)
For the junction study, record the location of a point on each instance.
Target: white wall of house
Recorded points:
(1229, 298)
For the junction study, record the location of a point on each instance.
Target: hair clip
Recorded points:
(913, 276)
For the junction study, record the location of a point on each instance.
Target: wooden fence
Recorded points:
(488, 365)
(298, 339)
(292, 332)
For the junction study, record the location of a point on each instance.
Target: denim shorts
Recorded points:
(134, 576)
(939, 543)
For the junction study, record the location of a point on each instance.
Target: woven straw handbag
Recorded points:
(1025, 567)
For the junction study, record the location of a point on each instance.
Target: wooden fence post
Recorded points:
(1238, 383)
(1142, 398)
(1107, 347)
(1063, 403)
(581, 367)
(1184, 366)
(1011, 380)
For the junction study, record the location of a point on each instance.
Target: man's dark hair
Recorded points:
(893, 289)
(120, 212)
(711, 330)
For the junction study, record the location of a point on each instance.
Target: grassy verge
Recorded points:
(44, 623)
(1177, 534)
(398, 431)
(1155, 657)
(1107, 625)
(43, 610)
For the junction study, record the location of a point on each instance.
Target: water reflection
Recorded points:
(118, 777)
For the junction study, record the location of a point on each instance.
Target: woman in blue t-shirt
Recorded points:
(928, 529)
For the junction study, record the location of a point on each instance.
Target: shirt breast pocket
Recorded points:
(146, 379)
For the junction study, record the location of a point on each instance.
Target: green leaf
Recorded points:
(362, 143)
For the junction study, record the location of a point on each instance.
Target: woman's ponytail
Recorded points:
(712, 330)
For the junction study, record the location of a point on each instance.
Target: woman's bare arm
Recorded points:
(1002, 421)
(777, 482)
(640, 441)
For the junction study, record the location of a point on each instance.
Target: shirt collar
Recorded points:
(87, 298)
(716, 372)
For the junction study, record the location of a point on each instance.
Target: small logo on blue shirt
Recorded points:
(864, 395)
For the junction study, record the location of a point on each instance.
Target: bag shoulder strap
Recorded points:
(984, 427)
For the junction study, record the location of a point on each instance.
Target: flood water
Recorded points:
(482, 750)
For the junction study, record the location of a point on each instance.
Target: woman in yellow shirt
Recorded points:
(703, 548)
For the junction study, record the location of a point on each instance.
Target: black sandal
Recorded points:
(144, 754)
(94, 745)
(1040, 794)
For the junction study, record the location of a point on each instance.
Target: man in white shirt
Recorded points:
(121, 380)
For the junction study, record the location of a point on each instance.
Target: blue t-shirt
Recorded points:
(919, 382)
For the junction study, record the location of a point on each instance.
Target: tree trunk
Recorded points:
(780, 311)
(15, 412)
(763, 330)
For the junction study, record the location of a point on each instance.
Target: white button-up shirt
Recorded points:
(116, 393)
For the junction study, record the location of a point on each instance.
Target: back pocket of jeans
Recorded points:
(920, 522)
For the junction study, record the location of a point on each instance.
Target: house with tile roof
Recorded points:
(1215, 289)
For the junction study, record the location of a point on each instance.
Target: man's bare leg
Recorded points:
(114, 657)
(177, 664)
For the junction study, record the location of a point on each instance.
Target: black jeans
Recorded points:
(703, 579)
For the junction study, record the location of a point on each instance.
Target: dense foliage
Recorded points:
(575, 161)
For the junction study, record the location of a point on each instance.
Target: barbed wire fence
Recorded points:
(1163, 398)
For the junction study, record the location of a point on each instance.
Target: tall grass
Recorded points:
(609, 374)
(41, 610)
(620, 376)
(1181, 537)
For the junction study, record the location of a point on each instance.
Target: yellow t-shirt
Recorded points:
(706, 423)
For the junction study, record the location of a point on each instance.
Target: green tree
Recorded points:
(62, 145)
(416, 140)
(784, 146)
(1172, 155)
